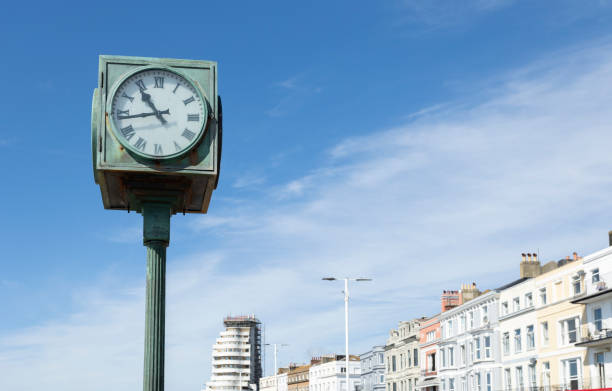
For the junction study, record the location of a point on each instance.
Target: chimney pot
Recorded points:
(575, 255)
(528, 257)
(525, 256)
(535, 257)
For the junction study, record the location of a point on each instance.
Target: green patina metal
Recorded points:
(157, 188)
(120, 171)
(156, 237)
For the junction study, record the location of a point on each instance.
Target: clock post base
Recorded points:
(156, 237)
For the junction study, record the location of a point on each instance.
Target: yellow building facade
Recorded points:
(560, 364)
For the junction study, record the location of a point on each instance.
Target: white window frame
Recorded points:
(543, 296)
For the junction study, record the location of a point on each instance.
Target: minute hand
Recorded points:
(167, 111)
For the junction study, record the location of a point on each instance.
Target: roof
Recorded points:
(513, 283)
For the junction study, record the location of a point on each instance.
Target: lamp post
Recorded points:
(276, 345)
(346, 301)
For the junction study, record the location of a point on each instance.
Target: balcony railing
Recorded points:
(596, 337)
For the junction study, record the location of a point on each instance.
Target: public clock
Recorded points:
(157, 113)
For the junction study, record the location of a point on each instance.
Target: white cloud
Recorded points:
(462, 190)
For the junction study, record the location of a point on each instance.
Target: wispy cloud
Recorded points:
(439, 13)
(249, 180)
(465, 190)
(295, 91)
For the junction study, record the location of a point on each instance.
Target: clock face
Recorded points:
(158, 113)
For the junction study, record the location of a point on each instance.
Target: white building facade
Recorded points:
(373, 369)
(236, 355)
(273, 383)
(596, 333)
(329, 374)
(518, 329)
(468, 349)
(402, 367)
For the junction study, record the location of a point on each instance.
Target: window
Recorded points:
(597, 319)
(381, 358)
(471, 319)
(478, 382)
(505, 308)
(531, 372)
(516, 304)
(576, 284)
(462, 350)
(517, 340)
(489, 381)
(595, 276)
(571, 375)
(543, 296)
(450, 328)
(451, 384)
(528, 300)
(569, 331)
(518, 372)
(443, 352)
(508, 379)
(530, 338)
(471, 351)
(485, 313)
(544, 333)
(415, 360)
(382, 378)
(506, 342)
(487, 344)
(451, 356)
(477, 348)
(463, 322)
(393, 366)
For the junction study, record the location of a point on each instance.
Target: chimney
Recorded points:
(530, 268)
(525, 256)
(469, 292)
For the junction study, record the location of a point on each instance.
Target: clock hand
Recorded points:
(167, 111)
(147, 99)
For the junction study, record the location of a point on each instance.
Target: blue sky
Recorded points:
(387, 139)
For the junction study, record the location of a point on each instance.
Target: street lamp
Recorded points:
(346, 301)
(276, 345)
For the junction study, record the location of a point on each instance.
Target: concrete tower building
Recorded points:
(236, 355)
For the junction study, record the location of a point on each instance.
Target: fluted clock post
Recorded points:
(156, 237)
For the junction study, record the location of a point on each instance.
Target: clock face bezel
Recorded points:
(125, 143)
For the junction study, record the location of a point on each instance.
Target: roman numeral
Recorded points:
(127, 97)
(188, 134)
(140, 144)
(123, 112)
(141, 85)
(159, 82)
(178, 147)
(128, 132)
(158, 149)
(193, 117)
(189, 100)
(175, 88)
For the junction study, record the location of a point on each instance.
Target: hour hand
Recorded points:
(147, 99)
(141, 115)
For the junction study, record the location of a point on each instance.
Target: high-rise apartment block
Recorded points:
(236, 355)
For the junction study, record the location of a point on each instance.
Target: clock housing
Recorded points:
(125, 176)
